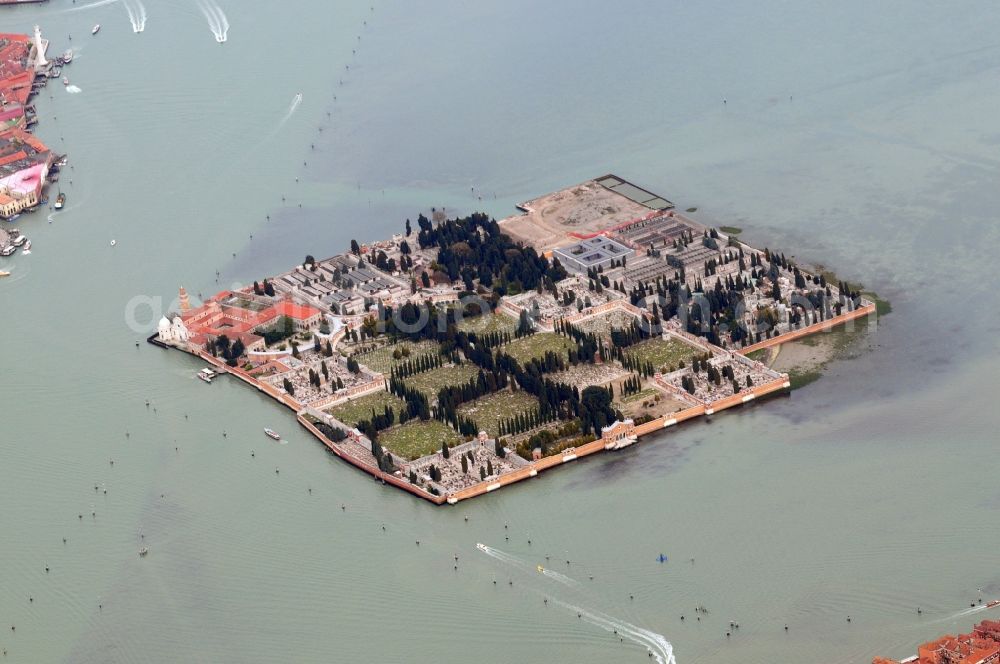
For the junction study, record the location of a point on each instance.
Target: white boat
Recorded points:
(143, 551)
(8, 250)
(208, 371)
(4, 273)
(481, 546)
(27, 248)
(67, 56)
(96, 29)
(207, 379)
(114, 242)
(19, 240)
(272, 434)
(65, 80)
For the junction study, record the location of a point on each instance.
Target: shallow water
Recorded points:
(860, 136)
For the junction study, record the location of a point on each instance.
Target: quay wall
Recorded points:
(594, 447)
(865, 310)
(532, 469)
(371, 470)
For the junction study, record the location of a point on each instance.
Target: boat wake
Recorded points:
(136, 14)
(217, 21)
(658, 646)
(72, 89)
(296, 100)
(90, 5)
(965, 612)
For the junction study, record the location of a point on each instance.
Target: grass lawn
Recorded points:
(496, 322)
(352, 412)
(381, 359)
(536, 345)
(431, 382)
(663, 352)
(416, 439)
(642, 395)
(487, 411)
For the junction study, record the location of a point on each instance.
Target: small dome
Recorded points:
(177, 321)
(164, 324)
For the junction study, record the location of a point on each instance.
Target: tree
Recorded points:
(309, 260)
(355, 248)
(465, 464)
(289, 387)
(444, 450)
(268, 288)
(408, 229)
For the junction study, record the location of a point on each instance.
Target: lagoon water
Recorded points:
(861, 135)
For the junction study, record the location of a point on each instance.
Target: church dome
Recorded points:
(164, 324)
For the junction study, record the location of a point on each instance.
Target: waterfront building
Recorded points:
(173, 331)
(980, 646)
(24, 165)
(242, 315)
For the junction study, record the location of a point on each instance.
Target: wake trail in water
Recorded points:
(223, 22)
(963, 613)
(216, 18)
(296, 100)
(72, 89)
(92, 5)
(657, 644)
(141, 15)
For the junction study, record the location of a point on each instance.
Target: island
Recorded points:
(464, 354)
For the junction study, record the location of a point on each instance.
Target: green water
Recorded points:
(863, 137)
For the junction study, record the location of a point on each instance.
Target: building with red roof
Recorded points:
(981, 646)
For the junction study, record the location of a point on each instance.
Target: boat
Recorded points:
(208, 371)
(4, 273)
(27, 246)
(482, 547)
(114, 242)
(990, 605)
(14, 217)
(60, 201)
(65, 80)
(96, 29)
(205, 378)
(67, 55)
(143, 551)
(541, 569)
(8, 250)
(272, 434)
(19, 240)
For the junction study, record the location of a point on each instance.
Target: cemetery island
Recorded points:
(466, 354)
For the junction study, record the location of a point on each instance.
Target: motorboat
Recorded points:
(207, 379)
(481, 546)
(65, 80)
(27, 247)
(97, 28)
(19, 240)
(60, 201)
(272, 434)
(143, 551)
(8, 250)
(114, 242)
(67, 55)
(990, 605)
(4, 273)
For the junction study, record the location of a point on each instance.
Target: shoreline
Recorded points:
(534, 468)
